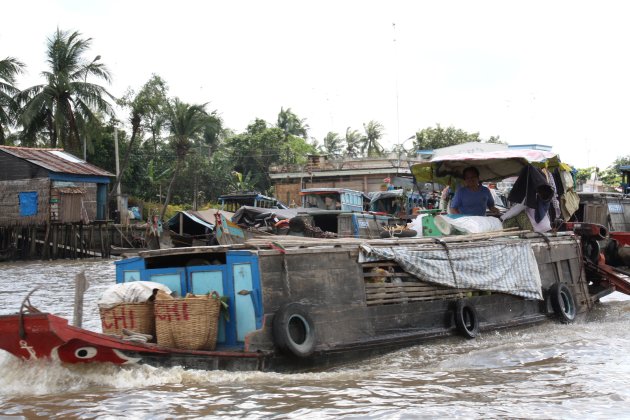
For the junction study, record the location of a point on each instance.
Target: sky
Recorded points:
(555, 73)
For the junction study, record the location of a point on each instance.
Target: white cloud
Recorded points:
(552, 73)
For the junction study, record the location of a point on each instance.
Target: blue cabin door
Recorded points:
(247, 307)
(207, 279)
(239, 281)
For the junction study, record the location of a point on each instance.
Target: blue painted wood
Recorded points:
(247, 308)
(135, 263)
(243, 288)
(101, 201)
(240, 273)
(173, 278)
(203, 281)
(79, 178)
(131, 275)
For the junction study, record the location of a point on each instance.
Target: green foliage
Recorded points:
(438, 137)
(66, 103)
(353, 143)
(611, 176)
(584, 174)
(333, 144)
(370, 142)
(260, 147)
(291, 124)
(9, 68)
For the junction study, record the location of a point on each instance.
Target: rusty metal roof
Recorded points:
(55, 160)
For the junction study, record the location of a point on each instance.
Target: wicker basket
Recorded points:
(136, 317)
(190, 323)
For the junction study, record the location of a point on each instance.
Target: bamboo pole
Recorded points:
(309, 242)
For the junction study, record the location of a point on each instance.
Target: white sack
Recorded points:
(470, 224)
(132, 292)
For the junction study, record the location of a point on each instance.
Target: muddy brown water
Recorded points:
(546, 371)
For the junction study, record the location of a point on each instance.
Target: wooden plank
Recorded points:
(388, 274)
(415, 299)
(407, 284)
(407, 289)
(389, 296)
(380, 264)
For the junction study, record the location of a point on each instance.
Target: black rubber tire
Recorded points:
(293, 330)
(563, 303)
(591, 250)
(466, 319)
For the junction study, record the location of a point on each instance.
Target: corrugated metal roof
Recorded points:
(55, 160)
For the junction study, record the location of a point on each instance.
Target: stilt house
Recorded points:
(40, 186)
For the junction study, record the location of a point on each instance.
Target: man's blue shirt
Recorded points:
(472, 203)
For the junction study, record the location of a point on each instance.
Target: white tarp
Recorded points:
(508, 267)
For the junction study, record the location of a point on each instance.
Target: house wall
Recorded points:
(12, 168)
(287, 190)
(10, 201)
(73, 202)
(65, 204)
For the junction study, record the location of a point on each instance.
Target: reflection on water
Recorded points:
(546, 371)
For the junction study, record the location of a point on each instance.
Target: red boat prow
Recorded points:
(47, 336)
(41, 335)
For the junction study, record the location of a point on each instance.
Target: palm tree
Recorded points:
(370, 142)
(187, 123)
(291, 124)
(333, 144)
(353, 138)
(9, 68)
(67, 103)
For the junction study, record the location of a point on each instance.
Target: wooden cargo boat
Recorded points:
(301, 304)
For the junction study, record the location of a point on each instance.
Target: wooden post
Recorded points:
(55, 234)
(100, 232)
(46, 248)
(91, 240)
(80, 286)
(33, 251)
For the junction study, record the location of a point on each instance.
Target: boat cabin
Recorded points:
(231, 273)
(397, 202)
(232, 202)
(342, 199)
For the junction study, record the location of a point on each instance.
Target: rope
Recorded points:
(448, 256)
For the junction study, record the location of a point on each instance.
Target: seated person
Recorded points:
(472, 199)
(537, 218)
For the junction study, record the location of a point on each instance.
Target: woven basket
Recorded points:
(137, 317)
(190, 323)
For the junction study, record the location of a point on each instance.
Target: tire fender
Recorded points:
(563, 303)
(466, 319)
(294, 330)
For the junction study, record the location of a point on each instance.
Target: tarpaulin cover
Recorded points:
(508, 267)
(492, 166)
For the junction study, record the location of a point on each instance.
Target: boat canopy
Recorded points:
(492, 166)
(194, 222)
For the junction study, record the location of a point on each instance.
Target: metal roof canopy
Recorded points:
(55, 160)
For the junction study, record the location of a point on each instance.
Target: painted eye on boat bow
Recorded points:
(85, 352)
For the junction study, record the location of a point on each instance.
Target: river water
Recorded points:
(546, 371)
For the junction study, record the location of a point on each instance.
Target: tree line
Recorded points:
(171, 151)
